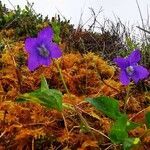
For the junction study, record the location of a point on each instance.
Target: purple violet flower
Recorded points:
(130, 68)
(42, 49)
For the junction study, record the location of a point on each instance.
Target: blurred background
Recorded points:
(81, 10)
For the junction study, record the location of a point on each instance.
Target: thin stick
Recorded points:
(143, 29)
(137, 113)
(33, 141)
(76, 109)
(141, 17)
(109, 147)
(126, 99)
(100, 133)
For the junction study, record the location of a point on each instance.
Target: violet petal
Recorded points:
(33, 62)
(55, 51)
(140, 72)
(124, 78)
(134, 57)
(30, 45)
(46, 33)
(44, 61)
(121, 62)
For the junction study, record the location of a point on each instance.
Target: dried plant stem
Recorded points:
(18, 72)
(104, 82)
(137, 114)
(90, 128)
(75, 108)
(2, 134)
(145, 133)
(143, 29)
(126, 100)
(108, 147)
(33, 141)
(65, 122)
(101, 133)
(141, 18)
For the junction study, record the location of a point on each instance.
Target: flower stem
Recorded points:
(74, 108)
(62, 78)
(126, 100)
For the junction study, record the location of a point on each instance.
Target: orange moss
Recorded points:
(86, 75)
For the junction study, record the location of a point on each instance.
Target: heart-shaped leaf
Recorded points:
(108, 106)
(50, 98)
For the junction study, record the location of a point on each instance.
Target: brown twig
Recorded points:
(143, 29)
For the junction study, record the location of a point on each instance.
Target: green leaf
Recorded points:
(131, 44)
(21, 99)
(108, 106)
(50, 98)
(28, 97)
(56, 28)
(147, 117)
(131, 125)
(118, 131)
(44, 85)
(130, 142)
(57, 39)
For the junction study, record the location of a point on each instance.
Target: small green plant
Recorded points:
(1, 47)
(3, 11)
(121, 126)
(49, 98)
(23, 21)
(56, 25)
(147, 117)
(110, 107)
